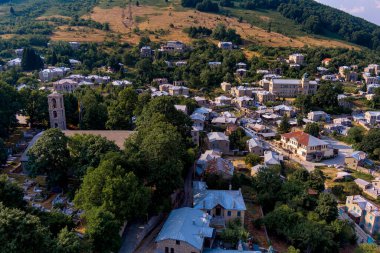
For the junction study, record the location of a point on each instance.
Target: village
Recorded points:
(241, 132)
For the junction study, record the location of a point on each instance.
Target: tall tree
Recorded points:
(312, 129)
(71, 109)
(284, 126)
(35, 106)
(3, 152)
(9, 105)
(165, 107)
(11, 194)
(22, 232)
(30, 60)
(327, 207)
(162, 148)
(102, 229)
(113, 187)
(86, 150)
(93, 112)
(120, 112)
(69, 242)
(50, 156)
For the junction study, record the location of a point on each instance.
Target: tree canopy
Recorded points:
(50, 156)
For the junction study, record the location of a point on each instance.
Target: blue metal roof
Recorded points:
(208, 199)
(188, 225)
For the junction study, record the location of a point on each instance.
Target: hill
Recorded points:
(102, 20)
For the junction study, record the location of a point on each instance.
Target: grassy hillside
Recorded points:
(157, 19)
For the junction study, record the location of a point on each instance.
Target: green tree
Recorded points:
(162, 147)
(312, 129)
(142, 100)
(344, 232)
(367, 248)
(234, 232)
(267, 184)
(68, 242)
(102, 229)
(355, 135)
(371, 141)
(284, 126)
(291, 249)
(252, 159)
(93, 113)
(327, 207)
(11, 194)
(35, 106)
(10, 104)
(86, 150)
(3, 152)
(303, 102)
(55, 221)
(165, 107)
(30, 60)
(50, 156)
(71, 109)
(238, 140)
(23, 233)
(114, 188)
(120, 112)
(327, 95)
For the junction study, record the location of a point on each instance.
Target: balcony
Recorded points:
(218, 222)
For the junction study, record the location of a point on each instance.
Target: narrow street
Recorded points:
(147, 245)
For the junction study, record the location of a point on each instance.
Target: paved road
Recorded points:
(147, 245)
(130, 236)
(344, 150)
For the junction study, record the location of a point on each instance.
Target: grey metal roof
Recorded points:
(188, 225)
(286, 81)
(230, 200)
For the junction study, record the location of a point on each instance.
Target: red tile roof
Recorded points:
(304, 138)
(301, 137)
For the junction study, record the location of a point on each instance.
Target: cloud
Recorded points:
(377, 4)
(355, 9)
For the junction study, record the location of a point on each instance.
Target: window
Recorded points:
(171, 250)
(177, 242)
(54, 103)
(55, 115)
(238, 213)
(229, 213)
(166, 250)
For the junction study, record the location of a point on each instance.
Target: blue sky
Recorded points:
(367, 9)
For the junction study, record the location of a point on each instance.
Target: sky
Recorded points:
(367, 9)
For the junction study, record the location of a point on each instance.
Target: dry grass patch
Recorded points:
(168, 24)
(53, 16)
(80, 34)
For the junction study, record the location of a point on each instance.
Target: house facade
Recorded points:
(372, 117)
(222, 205)
(358, 161)
(292, 87)
(365, 213)
(218, 141)
(65, 85)
(186, 230)
(307, 147)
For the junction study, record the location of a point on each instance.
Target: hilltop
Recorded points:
(99, 21)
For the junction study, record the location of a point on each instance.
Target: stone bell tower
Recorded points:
(57, 111)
